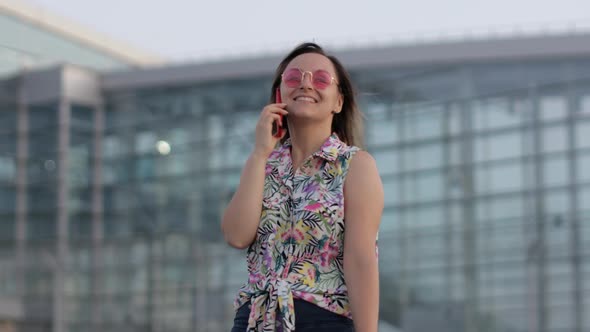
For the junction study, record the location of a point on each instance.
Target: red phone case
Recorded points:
(279, 129)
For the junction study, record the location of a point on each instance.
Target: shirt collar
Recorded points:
(329, 150)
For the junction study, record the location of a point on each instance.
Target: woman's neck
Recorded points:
(306, 141)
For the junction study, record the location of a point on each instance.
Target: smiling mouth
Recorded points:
(306, 99)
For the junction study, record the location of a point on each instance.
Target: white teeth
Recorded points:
(306, 99)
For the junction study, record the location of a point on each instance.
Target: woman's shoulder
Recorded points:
(362, 166)
(362, 157)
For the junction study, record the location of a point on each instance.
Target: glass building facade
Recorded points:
(113, 188)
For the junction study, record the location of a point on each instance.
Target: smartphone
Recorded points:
(277, 131)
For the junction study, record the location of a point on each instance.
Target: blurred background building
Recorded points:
(113, 178)
(32, 38)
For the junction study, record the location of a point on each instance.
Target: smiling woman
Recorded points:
(312, 262)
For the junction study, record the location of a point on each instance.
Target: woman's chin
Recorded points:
(300, 111)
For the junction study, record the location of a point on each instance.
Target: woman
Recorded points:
(308, 207)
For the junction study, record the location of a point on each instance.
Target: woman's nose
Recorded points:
(307, 80)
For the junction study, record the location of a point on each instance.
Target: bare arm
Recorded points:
(363, 208)
(242, 215)
(240, 220)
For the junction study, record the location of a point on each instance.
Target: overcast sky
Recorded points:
(185, 30)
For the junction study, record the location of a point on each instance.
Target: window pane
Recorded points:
(504, 208)
(423, 122)
(236, 151)
(410, 190)
(216, 141)
(114, 146)
(427, 216)
(7, 168)
(429, 186)
(499, 178)
(389, 223)
(386, 161)
(381, 129)
(557, 202)
(423, 157)
(553, 107)
(585, 105)
(495, 113)
(583, 199)
(583, 134)
(145, 142)
(584, 167)
(455, 151)
(454, 119)
(498, 147)
(556, 171)
(390, 191)
(555, 139)
(423, 187)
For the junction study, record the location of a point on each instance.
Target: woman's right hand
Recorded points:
(265, 141)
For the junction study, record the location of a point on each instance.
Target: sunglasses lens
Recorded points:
(322, 79)
(292, 77)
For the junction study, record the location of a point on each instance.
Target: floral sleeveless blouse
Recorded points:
(298, 251)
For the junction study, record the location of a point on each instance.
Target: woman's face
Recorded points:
(308, 99)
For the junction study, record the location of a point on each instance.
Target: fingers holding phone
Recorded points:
(271, 118)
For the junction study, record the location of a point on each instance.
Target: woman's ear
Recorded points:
(339, 104)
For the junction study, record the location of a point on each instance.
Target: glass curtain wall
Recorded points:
(487, 184)
(484, 227)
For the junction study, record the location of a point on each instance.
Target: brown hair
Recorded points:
(348, 124)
